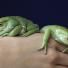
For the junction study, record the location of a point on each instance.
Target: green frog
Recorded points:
(17, 26)
(58, 33)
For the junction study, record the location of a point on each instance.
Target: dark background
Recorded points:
(42, 12)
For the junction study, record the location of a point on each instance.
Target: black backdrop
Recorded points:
(42, 12)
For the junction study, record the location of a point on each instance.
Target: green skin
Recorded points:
(28, 27)
(17, 25)
(9, 26)
(58, 33)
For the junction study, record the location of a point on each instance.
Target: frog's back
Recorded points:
(60, 34)
(53, 28)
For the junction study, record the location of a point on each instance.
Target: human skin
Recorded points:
(22, 52)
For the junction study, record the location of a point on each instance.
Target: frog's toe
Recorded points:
(41, 49)
(24, 35)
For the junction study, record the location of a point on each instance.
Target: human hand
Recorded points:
(53, 59)
(21, 52)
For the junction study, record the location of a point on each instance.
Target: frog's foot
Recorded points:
(65, 50)
(41, 49)
(24, 35)
(30, 32)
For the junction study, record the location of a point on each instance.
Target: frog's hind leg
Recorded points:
(31, 29)
(45, 40)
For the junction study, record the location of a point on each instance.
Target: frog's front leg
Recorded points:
(5, 34)
(31, 30)
(15, 31)
(45, 40)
